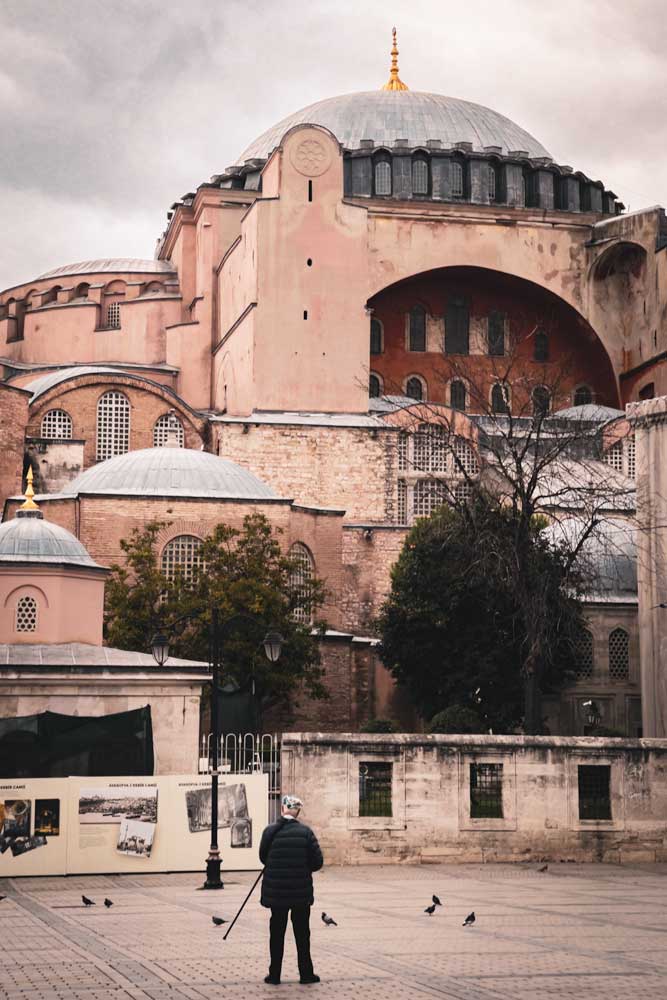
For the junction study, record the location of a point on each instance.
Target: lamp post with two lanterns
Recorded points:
(272, 644)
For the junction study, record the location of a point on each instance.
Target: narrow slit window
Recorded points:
(417, 336)
(375, 788)
(457, 179)
(383, 178)
(420, 177)
(310, 190)
(457, 395)
(457, 327)
(376, 337)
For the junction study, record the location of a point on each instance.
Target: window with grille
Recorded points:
(594, 791)
(374, 387)
(56, 424)
(182, 557)
(163, 425)
(414, 388)
(583, 648)
(457, 395)
(496, 336)
(112, 317)
(465, 459)
(541, 346)
(26, 614)
(376, 337)
(486, 791)
(402, 502)
(583, 396)
(402, 451)
(457, 324)
(619, 655)
(457, 179)
(631, 457)
(420, 177)
(375, 788)
(301, 582)
(428, 495)
(614, 456)
(462, 492)
(383, 177)
(417, 321)
(541, 401)
(500, 398)
(429, 452)
(113, 425)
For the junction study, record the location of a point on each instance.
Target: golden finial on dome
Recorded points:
(29, 503)
(394, 82)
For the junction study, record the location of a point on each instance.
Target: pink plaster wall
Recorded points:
(70, 603)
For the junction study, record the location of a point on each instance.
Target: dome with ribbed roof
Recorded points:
(384, 116)
(29, 538)
(171, 472)
(117, 265)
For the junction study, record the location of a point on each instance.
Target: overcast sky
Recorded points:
(110, 110)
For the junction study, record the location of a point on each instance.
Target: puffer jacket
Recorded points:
(290, 852)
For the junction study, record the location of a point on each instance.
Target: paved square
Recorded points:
(575, 931)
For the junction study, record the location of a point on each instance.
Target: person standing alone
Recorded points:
(290, 854)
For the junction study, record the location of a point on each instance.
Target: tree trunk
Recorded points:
(532, 709)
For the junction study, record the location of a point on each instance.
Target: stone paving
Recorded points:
(575, 931)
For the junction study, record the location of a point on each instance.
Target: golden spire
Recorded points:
(394, 82)
(29, 503)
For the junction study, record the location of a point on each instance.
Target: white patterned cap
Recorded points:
(292, 802)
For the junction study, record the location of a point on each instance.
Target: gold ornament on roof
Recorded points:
(394, 82)
(29, 503)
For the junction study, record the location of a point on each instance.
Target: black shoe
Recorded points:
(309, 979)
(272, 980)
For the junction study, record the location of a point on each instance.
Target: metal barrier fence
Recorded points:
(247, 753)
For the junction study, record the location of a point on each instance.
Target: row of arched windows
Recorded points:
(618, 655)
(113, 426)
(421, 179)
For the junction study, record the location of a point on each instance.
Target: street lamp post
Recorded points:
(272, 643)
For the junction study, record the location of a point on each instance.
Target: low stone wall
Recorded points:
(480, 798)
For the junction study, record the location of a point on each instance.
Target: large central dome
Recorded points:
(387, 115)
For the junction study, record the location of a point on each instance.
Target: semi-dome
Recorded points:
(386, 115)
(29, 538)
(171, 472)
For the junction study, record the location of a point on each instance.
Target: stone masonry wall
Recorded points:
(431, 818)
(13, 420)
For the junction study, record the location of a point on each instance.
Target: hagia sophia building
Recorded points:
(368, 255)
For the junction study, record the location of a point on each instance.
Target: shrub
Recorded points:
(456, 720)
(379, 726)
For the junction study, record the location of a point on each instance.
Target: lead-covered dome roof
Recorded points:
(171, 472)
(386, 115)
(29, 538)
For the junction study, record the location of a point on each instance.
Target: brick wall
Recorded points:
(13, 420)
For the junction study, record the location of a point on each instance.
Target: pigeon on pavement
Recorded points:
(108, 903)
(328, 920)
(88, 902)
(436, 900)
(469, 920)
(543, 868)
(218, 921)
(430, 910)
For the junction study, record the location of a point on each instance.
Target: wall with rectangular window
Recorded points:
(487, 791)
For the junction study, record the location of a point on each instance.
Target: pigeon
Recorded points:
(436, 900)
(108, 903)
(2, 897)
(469, 920)
(88, 902)
(328, 920)
(543, 868)
(218, 921)
(430, 909)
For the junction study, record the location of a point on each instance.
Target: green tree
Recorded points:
(244, 572)
(454, 628)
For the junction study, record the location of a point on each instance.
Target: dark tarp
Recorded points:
(51, 745)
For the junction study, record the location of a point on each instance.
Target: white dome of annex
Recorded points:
(29, 538)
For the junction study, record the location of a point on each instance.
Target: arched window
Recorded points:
(81, 291)
(165, 424)
(414, 388)
(496, 334)
(153, 288)
(113, 425)
(619, 655)
(26, 614)
(301, 582)
(56, 424)
(51, 295)
(583, 396)
(541, 400)
(457, 326)
(419, 177)
(500, 397)
(382, 175)
(430, 448)
(376, 336)
(374, 386)
(583, 648)
(457, 179)
(465, 460)
(182, 557)
(417, 337)
(495, 193)
(541, 346)
(457, 395)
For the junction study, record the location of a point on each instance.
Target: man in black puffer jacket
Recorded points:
(290, 854)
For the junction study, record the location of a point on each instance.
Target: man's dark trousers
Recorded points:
(301, 927)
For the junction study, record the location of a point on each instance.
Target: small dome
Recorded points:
(387, 115)
(32, 539)
(593, 413)
(171, 472)
(608, 557)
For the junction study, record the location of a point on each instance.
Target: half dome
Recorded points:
(180, 472)
(385, 115)
(32, 539)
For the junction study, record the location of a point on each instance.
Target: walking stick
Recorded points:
(243, 904)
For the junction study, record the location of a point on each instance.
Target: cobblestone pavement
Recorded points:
(575, 931)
